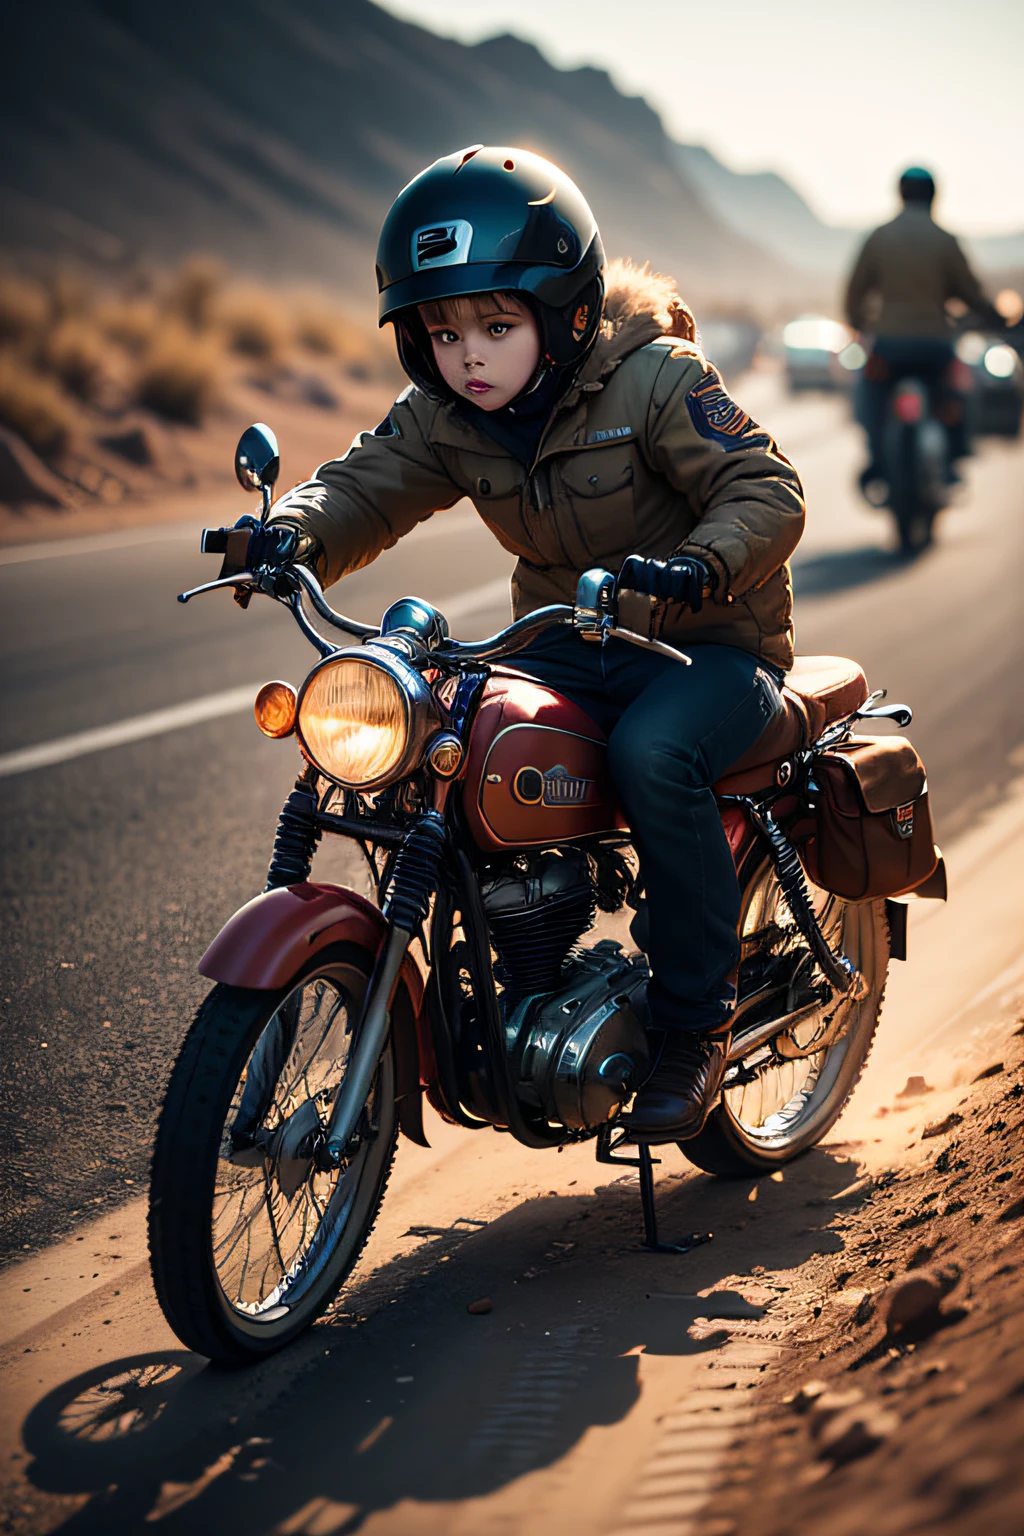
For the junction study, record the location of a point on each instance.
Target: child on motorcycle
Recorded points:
(587, 428)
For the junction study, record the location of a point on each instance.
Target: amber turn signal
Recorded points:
(445, 755)
(275, 709)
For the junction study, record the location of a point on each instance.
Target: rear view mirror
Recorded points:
(257, 458)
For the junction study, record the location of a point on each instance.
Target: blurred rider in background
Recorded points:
(903, 279)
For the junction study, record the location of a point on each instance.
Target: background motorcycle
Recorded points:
(482, 803)
(915, 464)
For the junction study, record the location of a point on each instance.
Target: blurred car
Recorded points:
(994, 386)
(728, 343)
(821, 354)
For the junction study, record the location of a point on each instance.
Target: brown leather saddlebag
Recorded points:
(873, 832)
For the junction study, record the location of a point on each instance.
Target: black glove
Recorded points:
(274, 545)
(679, 580)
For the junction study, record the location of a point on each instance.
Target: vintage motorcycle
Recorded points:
(482, 803)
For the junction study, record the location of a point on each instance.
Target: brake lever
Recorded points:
(241, 579)
(613, 632)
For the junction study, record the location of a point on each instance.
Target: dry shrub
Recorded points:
(255, 323)
(195, 290)
(179, 375)
(24, 308)
(75, 351)
(131, 322)
(71, 296)
(34, 406)
(330, 334)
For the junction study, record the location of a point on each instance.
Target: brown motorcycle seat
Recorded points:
(816, 691)
(831, 686)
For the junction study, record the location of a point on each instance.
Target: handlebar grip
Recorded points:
(232, 543)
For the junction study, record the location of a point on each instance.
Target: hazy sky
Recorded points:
(837, 95)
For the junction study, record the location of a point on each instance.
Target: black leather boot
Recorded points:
(682, 1090)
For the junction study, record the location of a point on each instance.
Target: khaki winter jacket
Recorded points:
(647, 454)
(912, 266)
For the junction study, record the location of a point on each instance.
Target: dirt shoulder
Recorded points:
(898, 1402)
(186, 473)
(121, 401)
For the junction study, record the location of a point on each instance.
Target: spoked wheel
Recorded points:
(251, 1232)
(784, 1097)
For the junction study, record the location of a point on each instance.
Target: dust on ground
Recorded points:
(898, 1401)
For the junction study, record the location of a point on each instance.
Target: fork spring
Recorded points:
(415, 874)
(296, 839)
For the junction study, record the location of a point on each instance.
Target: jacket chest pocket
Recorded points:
(595, 495)
(495, 487)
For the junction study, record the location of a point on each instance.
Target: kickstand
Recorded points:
(644, 1164)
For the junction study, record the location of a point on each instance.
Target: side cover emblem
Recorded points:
(441, 245)
(556, 787)
(562, 788)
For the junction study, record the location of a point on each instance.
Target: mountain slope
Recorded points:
(764, 202)
(276, 132)
(762, 206)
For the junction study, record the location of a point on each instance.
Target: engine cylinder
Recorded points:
(536, 910)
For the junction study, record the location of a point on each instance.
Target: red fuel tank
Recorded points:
(537, 769)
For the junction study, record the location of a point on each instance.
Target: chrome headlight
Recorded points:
(363, 718)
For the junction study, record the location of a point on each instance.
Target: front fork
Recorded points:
(406, 907)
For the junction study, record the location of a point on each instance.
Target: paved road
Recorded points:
(594, 1393)
(119, 866)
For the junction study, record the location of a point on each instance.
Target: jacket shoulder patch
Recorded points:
(716, 416)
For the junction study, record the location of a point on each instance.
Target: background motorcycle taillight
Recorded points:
(908, 406)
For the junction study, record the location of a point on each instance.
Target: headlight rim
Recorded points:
(418, 705)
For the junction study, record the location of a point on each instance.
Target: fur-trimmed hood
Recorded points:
(639, 306)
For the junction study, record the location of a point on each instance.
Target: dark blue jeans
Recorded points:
(672, 732)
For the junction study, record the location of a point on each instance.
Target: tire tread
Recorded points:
(182, 1159)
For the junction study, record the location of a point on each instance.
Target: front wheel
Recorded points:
(786, 1096)
(251, 1235)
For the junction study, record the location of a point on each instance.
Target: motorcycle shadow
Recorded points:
(840, 570)
(402, 1398)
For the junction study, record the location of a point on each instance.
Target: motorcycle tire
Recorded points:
(736, 1142)
(196, 1165)
(916, 489)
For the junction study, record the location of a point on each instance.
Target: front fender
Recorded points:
(274, 936)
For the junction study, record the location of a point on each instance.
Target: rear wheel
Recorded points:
(784, 1097)
(916, 469)
(250, 1236)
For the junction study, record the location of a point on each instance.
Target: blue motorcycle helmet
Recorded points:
(492, 219)
(917, 186)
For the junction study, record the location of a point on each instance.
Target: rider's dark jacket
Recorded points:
(645, 454)
(904, 275)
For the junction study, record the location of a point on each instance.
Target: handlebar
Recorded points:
(315, 593)
(509, 640)
(594, 615)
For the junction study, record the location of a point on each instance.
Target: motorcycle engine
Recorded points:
(581, 1051)
(536, 908)
(573, 1019)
